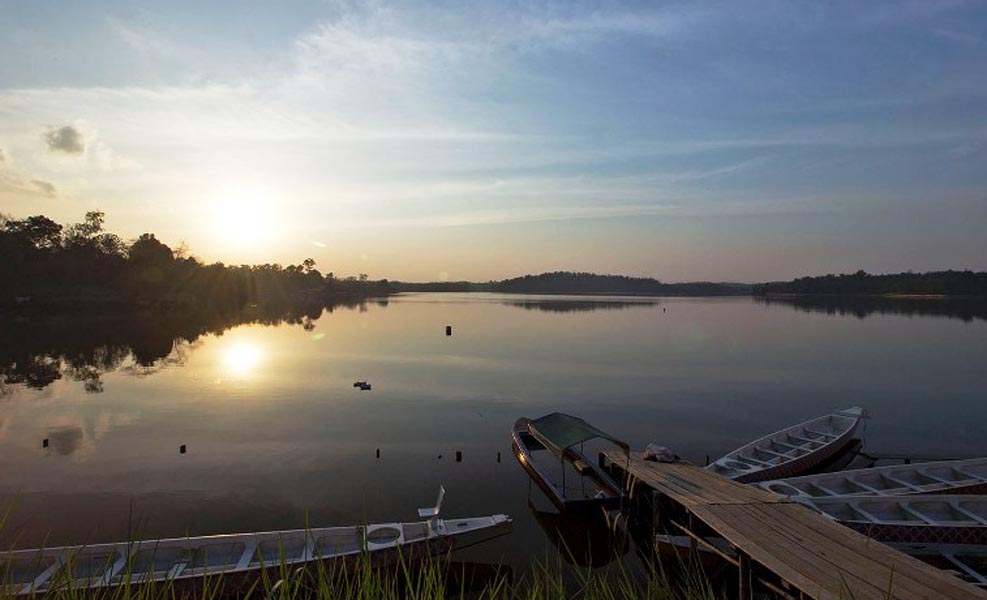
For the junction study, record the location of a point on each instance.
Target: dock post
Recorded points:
(744, 591)
(448, 329)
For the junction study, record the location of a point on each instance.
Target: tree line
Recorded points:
(81, 266)
(933, 283)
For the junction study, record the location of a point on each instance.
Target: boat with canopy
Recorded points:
(563, 437)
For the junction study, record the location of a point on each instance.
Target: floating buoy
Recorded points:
(448, 329)
(440, 457)
(44, 443)
(459, 456)
(181, 449)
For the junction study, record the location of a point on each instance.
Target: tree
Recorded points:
(309, 265)
(40, 231)
(84, 234)
(148, 251)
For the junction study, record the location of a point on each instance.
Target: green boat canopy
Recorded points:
(559, 431)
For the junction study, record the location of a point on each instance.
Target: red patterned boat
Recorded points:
(918, 519)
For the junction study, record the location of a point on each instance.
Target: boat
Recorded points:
(966, 561)
(237, 557)
(563, 436)
(916, 519)
(942, 477)
(791, 451)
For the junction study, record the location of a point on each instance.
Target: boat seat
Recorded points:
(583, 467)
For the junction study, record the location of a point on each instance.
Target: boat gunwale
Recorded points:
(827, 448)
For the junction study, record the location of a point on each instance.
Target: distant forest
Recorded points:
(935, 283)
(46, 265)
(566, 282)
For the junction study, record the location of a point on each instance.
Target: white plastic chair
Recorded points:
(432, 512)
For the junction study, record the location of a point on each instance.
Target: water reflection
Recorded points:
(570, 305)
(241, 358)
(583, 540)
(37, 351)
(278, 437)
(965, 309)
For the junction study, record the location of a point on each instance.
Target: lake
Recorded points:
(277, 436)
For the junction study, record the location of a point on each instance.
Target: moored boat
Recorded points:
(917, 519)
(237, 557)
(791, 451)
(562, 435)
(966, 561)
(941, 477)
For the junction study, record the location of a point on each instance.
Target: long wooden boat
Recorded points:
(791, 451)
(966, 561)
(237, 557)
(917, 519)
(562, 435)
(942, 477)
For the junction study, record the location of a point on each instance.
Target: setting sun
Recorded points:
(244, 217)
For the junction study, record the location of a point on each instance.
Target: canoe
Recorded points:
(562, 435)
(966, 561)
(916, 519)
(941, 477)
(237, 557)
(791, 451)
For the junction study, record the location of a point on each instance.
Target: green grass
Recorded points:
(421, 579)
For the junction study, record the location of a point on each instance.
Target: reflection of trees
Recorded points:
(36, 352)
(965, 309)
(65, 440)
(565, 306)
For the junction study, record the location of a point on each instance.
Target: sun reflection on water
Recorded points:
(241, 359)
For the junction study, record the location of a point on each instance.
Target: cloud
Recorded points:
(20, 187)
(66, 139)
(3, 157)
(46, 187)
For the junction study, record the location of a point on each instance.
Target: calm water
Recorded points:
(277, 435)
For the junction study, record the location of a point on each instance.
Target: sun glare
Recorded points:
(244, 218)
(241, 359)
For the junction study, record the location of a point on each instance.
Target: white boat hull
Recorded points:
(918, 519)
(942, 477)
(791, 451)
(235, 556)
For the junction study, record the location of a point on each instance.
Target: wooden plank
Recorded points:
(871, 553)
(816, 555)
(840, 564)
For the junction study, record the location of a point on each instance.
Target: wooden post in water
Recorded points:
(448, 329)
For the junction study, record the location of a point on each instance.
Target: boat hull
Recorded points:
(917, 519)
(740, 466)
(941, 477)
(237, 560)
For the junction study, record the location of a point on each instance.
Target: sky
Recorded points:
(458, 140)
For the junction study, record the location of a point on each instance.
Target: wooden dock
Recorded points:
(778, 545)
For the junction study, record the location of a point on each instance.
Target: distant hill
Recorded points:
(935, 283)
(441, 286)
(564, 282)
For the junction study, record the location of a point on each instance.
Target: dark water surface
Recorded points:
(277, 436)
